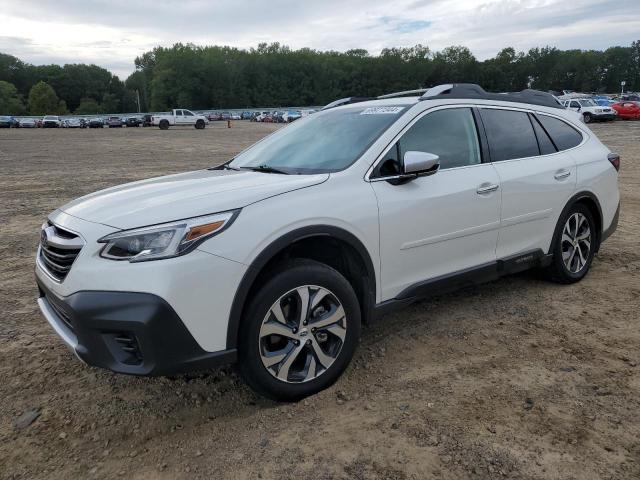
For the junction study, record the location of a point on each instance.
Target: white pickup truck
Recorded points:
(179, 117)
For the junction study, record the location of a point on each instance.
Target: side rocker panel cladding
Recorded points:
(273, 249)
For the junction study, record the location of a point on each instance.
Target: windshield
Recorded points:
(324, 142)
(587, 103)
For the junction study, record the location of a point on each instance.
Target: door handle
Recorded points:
(562, 174)
(487, 188)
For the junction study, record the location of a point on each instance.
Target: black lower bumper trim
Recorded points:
(614, 225)
(132, 333)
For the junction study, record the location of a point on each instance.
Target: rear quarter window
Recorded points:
(564, 136)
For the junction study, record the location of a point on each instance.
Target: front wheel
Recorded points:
(574, 245)
(587, 117)
(200, 124)
(299, 332)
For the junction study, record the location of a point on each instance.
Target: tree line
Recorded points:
(203, 77)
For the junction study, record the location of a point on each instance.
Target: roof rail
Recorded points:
(471, 90)
(402, 94)
(346, 101)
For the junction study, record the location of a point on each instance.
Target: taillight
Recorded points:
(614, 158)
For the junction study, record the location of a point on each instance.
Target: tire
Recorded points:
(164, 125)
(586, 117)
(565, 266)
(199, 124)
(322, 354)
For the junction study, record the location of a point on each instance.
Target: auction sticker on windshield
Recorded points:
(381, 110)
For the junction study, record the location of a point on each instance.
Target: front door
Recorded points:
(443, 223)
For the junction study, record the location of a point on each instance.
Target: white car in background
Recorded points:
(590, 110)
(179, 117)
(275, 259)
(51, 121)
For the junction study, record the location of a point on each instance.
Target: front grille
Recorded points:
(58, 250)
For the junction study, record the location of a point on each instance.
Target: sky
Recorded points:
(112, 33)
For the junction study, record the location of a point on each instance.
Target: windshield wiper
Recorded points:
(265, 169)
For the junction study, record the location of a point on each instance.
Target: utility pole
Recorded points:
(138, 99)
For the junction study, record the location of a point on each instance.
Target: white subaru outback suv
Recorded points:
(275, 259)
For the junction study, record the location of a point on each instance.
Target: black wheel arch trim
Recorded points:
(278, 246)
(570, 203)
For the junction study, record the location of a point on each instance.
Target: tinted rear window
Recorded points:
(510, 134)
(562, 134)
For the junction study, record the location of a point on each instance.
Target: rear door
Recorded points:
(537, 178)
(180, 118)
(440, 224)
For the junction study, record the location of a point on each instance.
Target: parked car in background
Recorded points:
(603, 101)
(631, 97)
(213, 117)
(590, 110)
(114, 122)
(5, 122)
(96, 122)
(147, 120)
(225, 116)
(133, 122)
(74, 123)
(178, 117)
(27, 123)
(51, 121)
(246, 115)
(627, 110)
(236, 116)
(291, 116)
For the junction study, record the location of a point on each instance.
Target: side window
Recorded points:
(450, 134)
(574, 105)
(544, 142)
(510, 134)
(563, 135)
(187, 113)
(178, 113)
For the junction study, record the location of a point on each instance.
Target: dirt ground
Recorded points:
(519, 378)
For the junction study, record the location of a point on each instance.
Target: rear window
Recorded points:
(510, 134)
(563, 135)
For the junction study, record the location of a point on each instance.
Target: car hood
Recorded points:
(174, 197)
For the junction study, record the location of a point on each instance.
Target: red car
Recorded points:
(627, 110)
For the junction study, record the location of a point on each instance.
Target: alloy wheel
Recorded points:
(576, 242)
(302, 334)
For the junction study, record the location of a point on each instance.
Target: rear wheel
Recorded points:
(299, 332)
(164, 125)
(574, 245)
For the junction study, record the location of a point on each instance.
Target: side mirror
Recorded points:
(421, 163)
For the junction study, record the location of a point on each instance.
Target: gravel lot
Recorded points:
(519, 378)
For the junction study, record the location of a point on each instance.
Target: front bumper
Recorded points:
(127, 332)
(604, 116)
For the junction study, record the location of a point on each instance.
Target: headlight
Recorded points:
(166, 240)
